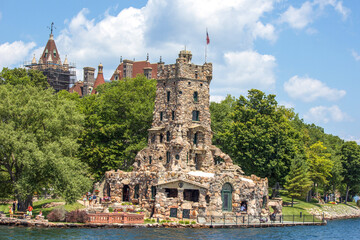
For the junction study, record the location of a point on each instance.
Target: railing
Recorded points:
(299, 219)
(124, 218)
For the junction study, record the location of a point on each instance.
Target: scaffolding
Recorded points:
(59, 76)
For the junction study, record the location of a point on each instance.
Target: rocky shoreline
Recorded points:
(336, 212)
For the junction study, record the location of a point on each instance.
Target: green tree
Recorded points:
(320, 164)
(116, 124)
(38, 134)
(298, 182)
(21, 76)
(350, 157)
(260, 138)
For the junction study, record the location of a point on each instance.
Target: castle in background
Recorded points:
(59, 74)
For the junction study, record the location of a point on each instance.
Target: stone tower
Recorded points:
(180, 137)
(89, 80)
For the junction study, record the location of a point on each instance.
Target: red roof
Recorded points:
(138, 68)
(77, 88)
(49, 50)
(99, 80)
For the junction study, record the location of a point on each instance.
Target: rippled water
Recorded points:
(338, 229)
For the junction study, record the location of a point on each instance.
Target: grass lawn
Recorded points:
(299, 206)
(39, 204)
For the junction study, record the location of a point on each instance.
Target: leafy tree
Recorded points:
(116, 123)
(221, 120)
(320, 164)
(350, 157)
(260, 138)
(297, 181)
(21, 76)
(38, 133)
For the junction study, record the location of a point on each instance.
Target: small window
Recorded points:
(196, 75)
(153, 192)
(180, 92)
(161, 116)
(161, 138)
(136, 191)
(168, 96)
(150, 159)
(200, 84)
(160, 158)
(177, 157)
(173, 115)
(264, 203)
(207, 199)
(195, 115)
(189, 83)
(196, 98)
(153, 137)
(171, 192)
(218, 160)
(243, 206)
(168, 136)
(173, 212)
(54, 52)
(168, 157)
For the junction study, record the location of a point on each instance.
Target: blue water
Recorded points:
(338, 229)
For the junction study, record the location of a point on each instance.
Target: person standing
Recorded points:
(10, 211)
(30, 208)
(14, 206)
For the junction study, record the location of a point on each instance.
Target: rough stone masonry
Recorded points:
(181, 174)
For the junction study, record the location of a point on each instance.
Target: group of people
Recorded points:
(15, 207)
(94, 199)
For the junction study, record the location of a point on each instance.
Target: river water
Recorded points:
(337, 229)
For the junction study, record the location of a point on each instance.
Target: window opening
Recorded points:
(173, 115)
(195, 138)
(168, 136)
(167, 157)
(136, 191)
(196, 98)
(173, 212)
(171, 192)
(195, 115)
(161, 116)
(153, 192)
(150, 159)
(161, 138)
(168, 96)
(243, 206)
(186, 213)
(191, 195)
(126, 191)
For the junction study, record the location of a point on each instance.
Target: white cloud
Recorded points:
(15, 52)
(287, 104)
(309, 89)
(355, 55)
(322, 114)
(245, 70)
(351, 138)
(300, 18)
(216, 98)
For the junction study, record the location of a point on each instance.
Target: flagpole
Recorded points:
(206, 45)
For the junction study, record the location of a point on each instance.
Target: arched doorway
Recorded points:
(126, 193)
(226, 197)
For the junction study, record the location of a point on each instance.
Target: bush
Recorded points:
(111, 209)
(181, 222)
(193, 222)
(187, 222)
(76, 216)
(57, 215)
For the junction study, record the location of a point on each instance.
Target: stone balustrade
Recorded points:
(124, 218)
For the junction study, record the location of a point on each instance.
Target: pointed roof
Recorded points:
(50, 51)
(33, 60)
(99, 79)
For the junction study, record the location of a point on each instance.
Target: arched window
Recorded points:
(136, 191)
(168, 136)
(196, 98)
(226, 197)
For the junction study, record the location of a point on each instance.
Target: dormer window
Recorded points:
(54, 52)
(46, 53)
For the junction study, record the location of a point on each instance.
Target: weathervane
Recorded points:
(51, 28)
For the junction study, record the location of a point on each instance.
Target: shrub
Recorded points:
(111, 209)
(193, 222)
(153, 220)
(57, 215)
(76, 216)
(181, 222)
(187, 222)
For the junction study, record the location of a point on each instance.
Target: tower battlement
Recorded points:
(183, 68)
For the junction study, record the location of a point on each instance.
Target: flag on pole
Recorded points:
(207, 37)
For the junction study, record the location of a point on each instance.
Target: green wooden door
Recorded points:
(226, 197)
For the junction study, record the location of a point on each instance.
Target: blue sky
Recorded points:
(305, 52)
